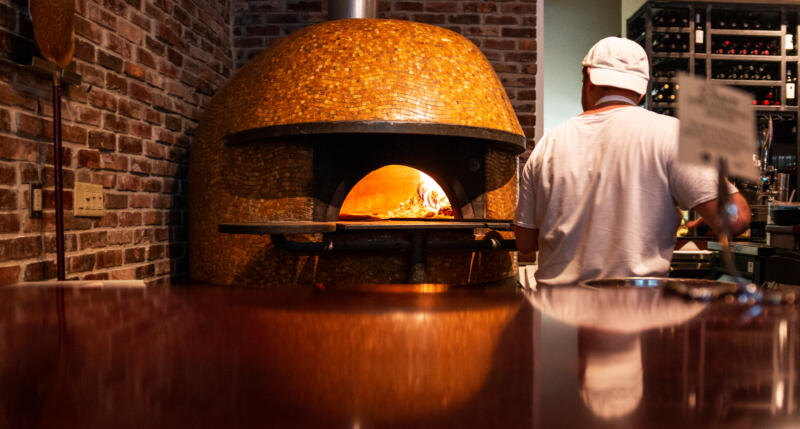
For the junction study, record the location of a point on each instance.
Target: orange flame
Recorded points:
(432, 195)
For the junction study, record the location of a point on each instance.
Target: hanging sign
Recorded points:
(717, 122)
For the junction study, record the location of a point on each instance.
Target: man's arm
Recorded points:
(527, 243)
(710, 213)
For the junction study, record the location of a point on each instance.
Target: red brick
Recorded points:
(28, 125)
(17, 149)
(110, 61)
(70, 241)
(151, 185)
(154, 150)
(9, 223)
(9, 275)
(119, 46)
(156, 252)
(29, 173)
(130, 145)
(140, 165)
(96, 276)
(499, 44)
(20, 248)
(502, 20)
(519, 32)
(88, 159)
(162, 202)
(5, 120)
(129, 183)
(81, 263)
(109, 258)
(91, 75)
(88, 115)
(142, 130)
(124, 274)
(120, 237)
(77, 93)
(103, 100)
(162, 234)
(8, 175)
(102, 140)
(131, 109)
(140, 201)
(144, 58)
(38, 271)
(91, 240)
(8, 199)
(109, 220)
(73, 134)
(115, 123)
(49, 199)
(130, 219)
(130, 32)
(135, 255)
(483, 7)
(527, 45)
(519, 8)
(153, 116)
(113, 161)
(134, 71)
(140, 92)
(84, 50)
(100, 16)
(12, 97)
(116, 201)
(116, 83)
(141, 21)
(88, 30)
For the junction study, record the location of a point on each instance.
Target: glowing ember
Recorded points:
(432, 195)
(430, 201)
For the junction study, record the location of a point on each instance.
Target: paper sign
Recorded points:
(716, 122)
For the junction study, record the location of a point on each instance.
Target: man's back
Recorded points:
(602, 190)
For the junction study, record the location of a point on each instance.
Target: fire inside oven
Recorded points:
(396, 192)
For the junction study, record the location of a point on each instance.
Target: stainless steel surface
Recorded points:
(654, 282)
(344, 9)
(783, 187)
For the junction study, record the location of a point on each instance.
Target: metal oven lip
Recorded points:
(503, 140)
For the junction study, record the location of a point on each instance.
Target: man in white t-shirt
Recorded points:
(598, 195)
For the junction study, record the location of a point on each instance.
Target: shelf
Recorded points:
(671, 55)
(670, 29)
(781, 108)
(754, 33)
(740, 82)
(756, 58)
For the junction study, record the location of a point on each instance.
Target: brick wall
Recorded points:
(503, 30)
(148, 68)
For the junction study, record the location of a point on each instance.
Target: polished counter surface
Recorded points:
(207, 357)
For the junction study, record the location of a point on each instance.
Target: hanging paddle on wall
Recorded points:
(54, 28)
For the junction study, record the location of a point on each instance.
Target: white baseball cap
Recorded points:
(620, 63)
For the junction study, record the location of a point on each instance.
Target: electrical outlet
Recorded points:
(88, 200)
(36, 201)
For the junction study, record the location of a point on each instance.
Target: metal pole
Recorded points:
(59, 185)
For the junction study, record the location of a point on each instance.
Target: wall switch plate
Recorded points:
(88, 200)
(35, 204)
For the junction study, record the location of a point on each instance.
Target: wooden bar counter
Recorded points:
(392, 356)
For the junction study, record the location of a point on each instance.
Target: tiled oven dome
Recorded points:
(386, 72)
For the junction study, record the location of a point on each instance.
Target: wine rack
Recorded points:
(751, 46)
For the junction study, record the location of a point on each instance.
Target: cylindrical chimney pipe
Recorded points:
(343, 9)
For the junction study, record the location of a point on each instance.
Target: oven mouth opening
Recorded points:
(396, 192)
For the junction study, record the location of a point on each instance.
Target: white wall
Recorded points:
(628, 7)
(569, 29)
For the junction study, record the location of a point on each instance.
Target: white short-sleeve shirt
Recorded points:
(602, 190)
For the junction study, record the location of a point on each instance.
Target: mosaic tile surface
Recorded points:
(370, 69)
